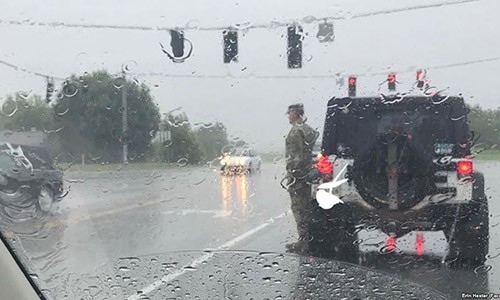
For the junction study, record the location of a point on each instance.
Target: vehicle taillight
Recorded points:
(324, 165)
(419, 244)
(464, 167)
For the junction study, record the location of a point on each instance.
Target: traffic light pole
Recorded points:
(124, 120)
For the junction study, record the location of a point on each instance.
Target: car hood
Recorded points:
(239, 275)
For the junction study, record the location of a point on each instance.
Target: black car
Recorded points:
(28, 177)
(408, 165)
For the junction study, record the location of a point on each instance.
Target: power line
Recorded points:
(20, 69)
(241, 26)
(318, 76)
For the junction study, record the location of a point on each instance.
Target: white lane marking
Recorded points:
(195, 263)
(216, 213)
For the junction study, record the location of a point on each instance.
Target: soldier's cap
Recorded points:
(298, 108)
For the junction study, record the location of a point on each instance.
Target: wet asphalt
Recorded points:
(135, 213)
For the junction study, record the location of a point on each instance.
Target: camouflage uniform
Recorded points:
(299, 144)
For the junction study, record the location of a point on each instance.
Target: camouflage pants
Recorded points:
(300, 195)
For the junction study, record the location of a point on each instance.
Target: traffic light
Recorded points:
(391, 82)
(352, 86)
(230, 46)
(177, 43)
(294, 49)
(420, 79)
(50, 89)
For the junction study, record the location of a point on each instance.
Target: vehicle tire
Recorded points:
(469, 245)
(371, 179)
(333, 234)
(45, 199)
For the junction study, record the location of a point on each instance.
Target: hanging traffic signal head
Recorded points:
(230, 46)
(352, 86)
(420, 79)
(177, 43)
(50, 90)
(391, 82)
(294, 49)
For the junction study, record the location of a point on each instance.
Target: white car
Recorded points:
(241, 160)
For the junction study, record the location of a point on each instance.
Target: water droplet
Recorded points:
(309, 19)
(483, 269)
(69, 89)
(9, 108)
(357, 242)
(387, 249)
(267, 279)
(190, 268)
(242, 26)
(311, 277)
(24, 96)
(193, 24)
(34, 276)
(266, 267)
(182, 162)
(118, 82)
(62, 113)
(124, 269)
(129, 66)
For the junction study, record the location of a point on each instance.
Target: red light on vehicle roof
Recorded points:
(420, 75)
(465, 167)
(391, 78)
(352, 80)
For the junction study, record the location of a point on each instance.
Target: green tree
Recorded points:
(183, 143)
(23, 113)
(89, 108)
(212, 139)
(486, 124)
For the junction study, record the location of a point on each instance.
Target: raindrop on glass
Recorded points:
(118, 82)
(193, 24)
(69, 89)
(182, 162)
(9, 108)
(483, 269)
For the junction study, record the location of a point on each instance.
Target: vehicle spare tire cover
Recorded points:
(370, 171)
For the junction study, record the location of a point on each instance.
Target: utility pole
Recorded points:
(124, 119)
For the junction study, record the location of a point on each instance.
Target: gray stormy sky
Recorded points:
(253, 108)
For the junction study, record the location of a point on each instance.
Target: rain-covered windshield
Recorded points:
(285, 149)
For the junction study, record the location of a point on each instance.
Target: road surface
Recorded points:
(130, 213)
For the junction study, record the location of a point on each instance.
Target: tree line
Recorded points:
(86, 117)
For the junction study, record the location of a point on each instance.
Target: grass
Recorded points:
(489, 155)
(119, 167)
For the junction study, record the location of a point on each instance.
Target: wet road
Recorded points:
(130, 213)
